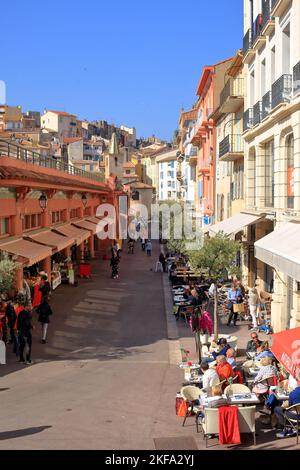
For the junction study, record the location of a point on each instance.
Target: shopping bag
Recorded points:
(239, 308)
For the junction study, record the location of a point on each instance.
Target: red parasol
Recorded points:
(286, 347)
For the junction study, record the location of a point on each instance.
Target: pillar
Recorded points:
(47, 267)
(67, 252)
(19, 279)
(91, 246)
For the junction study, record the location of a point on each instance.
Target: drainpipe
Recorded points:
(251, 19)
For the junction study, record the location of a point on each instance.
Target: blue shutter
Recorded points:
(200, 189)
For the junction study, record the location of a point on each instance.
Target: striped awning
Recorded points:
(78, 234)
(54, 240)
(31, 252)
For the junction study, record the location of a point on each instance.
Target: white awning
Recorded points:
(281, 249)
(234, 224)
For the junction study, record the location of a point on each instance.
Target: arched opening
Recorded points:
(252, 178)
(290, 159)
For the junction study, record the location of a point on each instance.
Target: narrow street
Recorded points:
(103, 379)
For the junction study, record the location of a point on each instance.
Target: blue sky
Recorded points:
(133, 62)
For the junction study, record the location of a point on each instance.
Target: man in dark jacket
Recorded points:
(44, 311)
(11, 318)
(45, 287)
(24, 328)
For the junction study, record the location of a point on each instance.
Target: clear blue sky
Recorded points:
(134, 62)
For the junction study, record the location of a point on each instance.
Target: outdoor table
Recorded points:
(243, 399)
(281, 395)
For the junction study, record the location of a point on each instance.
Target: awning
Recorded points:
(234, 224)
(32, 252)
(85, 224)
(50, 238)
(94, 220)
(281, 250)
(286, 348)
(78, 234)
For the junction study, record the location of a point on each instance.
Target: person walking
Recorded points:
(11, 318)
(44, 312)
(44, 287)
(24, 327)
(254, 301)
(143, 244)
(162, 260)
(234, 298)
(114, 262)
(149, 248)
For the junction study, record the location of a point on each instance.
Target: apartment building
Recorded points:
(271, 56)
(203, 137)
(10, 118)
(167, 168)
(188, 159)
(64, 124)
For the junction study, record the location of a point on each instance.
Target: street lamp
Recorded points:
(84, 200)
(43, 201)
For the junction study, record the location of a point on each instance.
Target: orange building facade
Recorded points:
(48, 208)
(204, 137)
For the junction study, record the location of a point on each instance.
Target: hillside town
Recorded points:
(149, 315)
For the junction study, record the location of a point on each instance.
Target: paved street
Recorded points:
(103, 381)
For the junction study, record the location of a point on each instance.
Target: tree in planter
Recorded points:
(218, 256)
(8, 269)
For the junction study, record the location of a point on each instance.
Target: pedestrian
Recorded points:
(114, 262)
(234, 298)
(130, 247)
(162, 260)
(24, 327)
(143, 244)
(254, 301)
(45, 287)
(3, 324)
(44, 312)
(11, 318)
(149, 248)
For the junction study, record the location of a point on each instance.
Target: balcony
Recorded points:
(279, 6)
(232, 95)
(248, 119)
(297, 79)
(231, 148)
(8, 149)
(258, 40)
(257, 113)
(282, 90)
(266, 105)
(204, 166)
(268, 22)
(249, 52)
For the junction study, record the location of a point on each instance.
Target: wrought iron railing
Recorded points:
(266, 105)
(282, 90)
(233, 87)
(296, 77)
(248, 119)
(232, 143)
(9, 149)
(257, 113)
(247, 42)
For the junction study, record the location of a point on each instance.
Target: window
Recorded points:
(162, 175)
(169, 194)
(286, 50)
(31, 221)
(4, 226)
(172, 164)
(269, 173)
(91, 167)
(273, 63)
(171, 174)
(127, 172)
(290, 171)
(263, 78)
(74, 213)
(169, 184)
(57, 216)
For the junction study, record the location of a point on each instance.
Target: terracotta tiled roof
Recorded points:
(71, 140)
(61, 113)
(128, 165)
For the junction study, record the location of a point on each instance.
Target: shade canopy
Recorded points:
(52, 239)
(86, 225)
(281, 249)
(32, 252)
(94, 220)
(234, 224)
(286, 348)
(78, 234)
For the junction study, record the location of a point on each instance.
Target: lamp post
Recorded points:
(84, 200)
(43, 201)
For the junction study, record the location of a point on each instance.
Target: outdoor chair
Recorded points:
(266, 383)
(293, 422)
(246, 417)
(236, 388)
(191, 396)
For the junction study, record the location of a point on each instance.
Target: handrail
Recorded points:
(13, 150)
